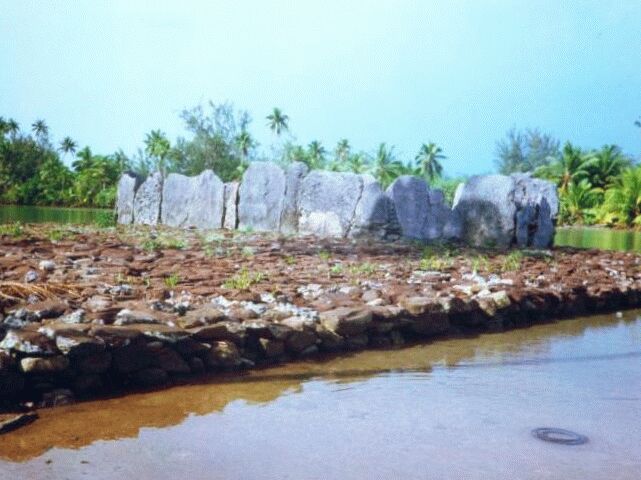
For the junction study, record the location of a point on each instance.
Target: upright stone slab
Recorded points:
(193, 201)
(375, 215)
(327, 203)
(537, 205)
(293, 179)
(147, 200)
(126, 192)
(422, 213)
(261, 197)
(231, 205)
(486, 206)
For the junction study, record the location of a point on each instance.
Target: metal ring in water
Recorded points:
(558, 435)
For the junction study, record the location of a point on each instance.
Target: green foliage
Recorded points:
(14, 229)
(363, 269)
(436, 259)
(512, 261)
(172, 280)
(243, 280)
(428, 161)
(480, 263)
(105, 219)
(324, 255)
(577, 203)
(623, 201)
(525, 151)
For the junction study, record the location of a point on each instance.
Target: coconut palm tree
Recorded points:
(13, 127)
(40, 129)
(385, 167)
(315, 155)
(157, 145)
(428, 161)
(277, 121)
(604, 165)
(341, 152)
(578, 201)
(244, 143)
(623, 199)
(357, 163)
(68, 145)
(570, 167)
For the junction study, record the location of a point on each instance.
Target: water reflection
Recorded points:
(30, 214)
(75, 426)
(603, 238)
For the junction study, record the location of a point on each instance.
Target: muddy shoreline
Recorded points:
(89, 313)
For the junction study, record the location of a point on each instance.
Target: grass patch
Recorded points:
(324, 255)
(289, 259)
(479, 263)
(172, 280)
(14, 229)
(512, 261)
(105, 220)
(436, 259)
(243, 280)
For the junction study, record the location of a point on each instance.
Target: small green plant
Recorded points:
(172, 280)
(435, 264)
(479, 263)
(365, 268)
(105, 219)
(290, 260)
(512, 261)
(172, 243)
(336, 269)
(324, 255)
(146, 281)
(247, 252)
(243, 280)
(150, 245)
(57, 234)
(14, 229)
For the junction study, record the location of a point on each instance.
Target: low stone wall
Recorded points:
(58, 362)
(498, 210)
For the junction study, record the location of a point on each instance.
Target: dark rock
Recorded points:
(87, 383)
(224, 355)
(28, 342)
(149, 377)
(227, 330)
(271, 348)
(35, 365)
(94, 364)
(170, 361)
(12, 421)
(79, 345)
(347, 321)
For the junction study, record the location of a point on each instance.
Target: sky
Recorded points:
(458, 73)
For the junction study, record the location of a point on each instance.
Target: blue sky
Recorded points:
(459, 73)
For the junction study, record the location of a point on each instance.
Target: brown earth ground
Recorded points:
(87, 312)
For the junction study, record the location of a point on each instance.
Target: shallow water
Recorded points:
(30, 214)
(603, 238)
(458, 408)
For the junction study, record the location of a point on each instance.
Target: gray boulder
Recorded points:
(422, 213)
(127, 186)
(327, 203)
(293, 180)
(193, 201)
(537, 205)
(230, 221)
(147, 200)
(261, 197)
(375, 215)
(486, 206)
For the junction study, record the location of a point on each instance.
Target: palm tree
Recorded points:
(357, 163)
(342, 151)
(385, 167)
(604, 165)
(277, 121)
(13, 127)
(623, 199)
(316, 155)
(85, 160)
(428, 161)
(157, 145)
(245, 143)
(571, 167)
(40, 129)
(576, 204)
(68, 145)
(3, 126)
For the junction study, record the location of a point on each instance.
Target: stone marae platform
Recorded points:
(88, 312)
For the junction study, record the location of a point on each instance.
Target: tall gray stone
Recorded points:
(375, 215)
(327, 203)
(261, 197)
(126, 192)
(537, 205)
(293, 180)
(193, 201)
(231, 205)
(147, 200)
(421, 212)
(486, 206)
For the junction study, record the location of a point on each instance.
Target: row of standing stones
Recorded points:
(488, 210)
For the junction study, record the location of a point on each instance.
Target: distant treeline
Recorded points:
(601, 185)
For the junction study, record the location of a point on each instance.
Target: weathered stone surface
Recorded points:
(29, 342)
(11, 421)
(537, 204)
(127, 186)
(375, 214)
(487, 208)
(147, 200)
(193, 201)
(299, 340)
(85, 383)
(430, 324)
(131, 358)
(128, 317)
(327, 203)
(149, 377)
(53, 364)
(293, 180)
(230, 221)
(202, 316)
(227, 330)
(271, 348)
(346, 321)
(79, 345)
(170, 361)
(261, 197)
(165, 333)
(224, 355)
(421, 212)
(116, 336)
